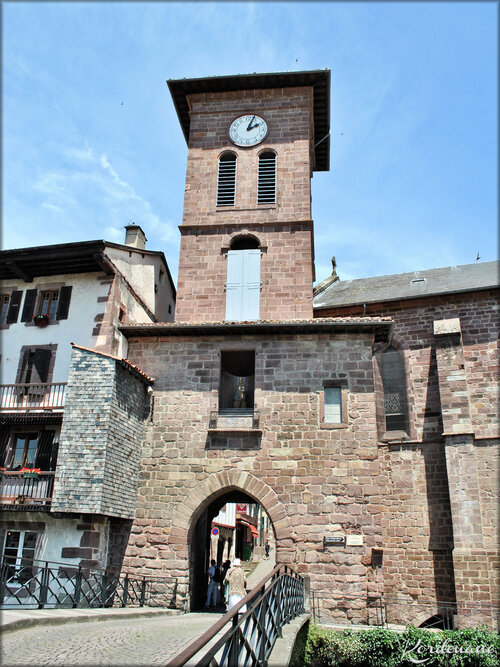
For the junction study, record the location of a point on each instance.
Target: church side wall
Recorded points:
(411, 517)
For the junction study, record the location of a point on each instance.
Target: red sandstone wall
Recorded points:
(421, 559)
(284, 229)
(414, 327)
(319, 481)
(288, 113)
(285, 293)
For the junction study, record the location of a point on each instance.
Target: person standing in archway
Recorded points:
(267, 548)
(237, 585)
(212, 586)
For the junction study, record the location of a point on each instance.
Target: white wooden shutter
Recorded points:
(250, 297)
(243, 285)
(234, 285)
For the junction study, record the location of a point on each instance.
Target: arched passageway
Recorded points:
(232, 525)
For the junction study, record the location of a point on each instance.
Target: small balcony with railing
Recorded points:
(32, 397)
(20, 490)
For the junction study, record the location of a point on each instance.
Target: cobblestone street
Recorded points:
(133, 641)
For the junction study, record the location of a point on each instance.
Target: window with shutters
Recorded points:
(243, 280)
(394, 383)
(266, 187)
(53, 303)
(226, 180)
(237, 381)
(333, 404)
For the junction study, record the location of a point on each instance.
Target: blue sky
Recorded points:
(413, 179)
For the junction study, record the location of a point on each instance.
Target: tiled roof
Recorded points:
(258, 327)
(124, 362)
(228, 323)
(433, 282)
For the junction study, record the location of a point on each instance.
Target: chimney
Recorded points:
(135, 237)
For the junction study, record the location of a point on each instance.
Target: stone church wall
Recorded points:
(432, 482)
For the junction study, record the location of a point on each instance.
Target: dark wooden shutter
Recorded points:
(15, 302)
(29, 305)
(44, 450)
(4, 446)
(53, 456)
(63, 304)
(41, 361)
(24, 367)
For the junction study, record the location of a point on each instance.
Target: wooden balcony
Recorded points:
(32, 397)
(21, 493)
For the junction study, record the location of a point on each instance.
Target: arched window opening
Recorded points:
(266, 189)
(244, 242)
(394, 381)
(226, 180)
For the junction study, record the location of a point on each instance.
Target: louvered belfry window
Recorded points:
(266, 189)
(226, 181)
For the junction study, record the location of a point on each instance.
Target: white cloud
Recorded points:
(88, 186)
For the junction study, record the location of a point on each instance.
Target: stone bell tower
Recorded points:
(247, 235)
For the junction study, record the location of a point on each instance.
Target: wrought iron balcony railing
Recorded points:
(26, 397)
(19, 491)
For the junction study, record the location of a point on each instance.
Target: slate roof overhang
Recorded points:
(318, 79)
(412, 285)
(128, 365)
(380, 326)
(61, 258)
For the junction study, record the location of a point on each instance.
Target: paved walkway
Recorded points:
(261, 571)
(130, 636)
(120, 637)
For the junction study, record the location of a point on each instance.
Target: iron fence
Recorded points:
(250, 637)
(47, 584)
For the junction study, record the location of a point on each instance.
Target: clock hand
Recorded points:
(249, 127)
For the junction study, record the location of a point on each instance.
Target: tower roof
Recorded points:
(318, 79)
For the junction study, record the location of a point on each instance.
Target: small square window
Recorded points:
(333, 404)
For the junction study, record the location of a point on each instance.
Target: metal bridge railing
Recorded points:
(250, 637)
(48, 584)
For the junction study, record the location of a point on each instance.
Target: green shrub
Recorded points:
(387, 648)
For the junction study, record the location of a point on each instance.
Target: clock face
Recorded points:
(248, 130)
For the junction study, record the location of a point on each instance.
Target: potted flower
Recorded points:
(30, 473)
(2, 470)
(41, 320)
